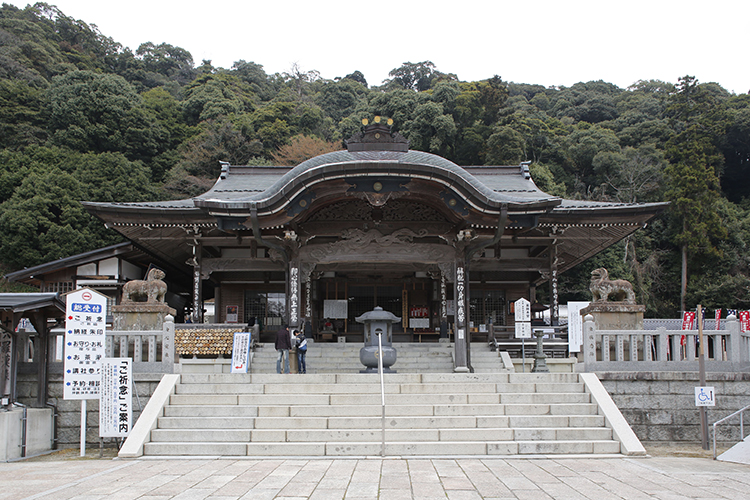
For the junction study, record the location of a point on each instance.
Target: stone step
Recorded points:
(206, 422)
(191, 410)
(340, 414)
(201, 435)
(558, 415)
(374, 388)
(219, 389)
(414, 448)
(391, 435)
(374, 398)
(369, 388)
(377, 410)
(390, 378)
(344, 358)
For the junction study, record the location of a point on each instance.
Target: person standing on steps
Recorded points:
(283, 345)
(301, 341)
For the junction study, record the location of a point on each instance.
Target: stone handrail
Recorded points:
(152, 350)
(158, 355)
(664, 350)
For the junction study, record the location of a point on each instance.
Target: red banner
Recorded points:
(419, 312)
(744, 321)
(688, 320)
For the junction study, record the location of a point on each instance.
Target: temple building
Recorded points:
(444, 247)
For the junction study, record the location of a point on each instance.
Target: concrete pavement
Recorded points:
(584, 478)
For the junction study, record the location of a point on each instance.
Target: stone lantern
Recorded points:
(377, 322)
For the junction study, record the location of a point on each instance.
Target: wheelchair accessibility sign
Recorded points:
(705, 396)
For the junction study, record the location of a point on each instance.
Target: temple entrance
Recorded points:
(414, 300)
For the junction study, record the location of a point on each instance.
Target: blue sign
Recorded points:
(90, 308)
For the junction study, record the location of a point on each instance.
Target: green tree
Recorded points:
(430, 129)
(586, 144)
(340, 99)
(693, 174)
(99, 113)
(419, 76)
(172, 63)
(166, 113)
(21, 114)
(43, 219)
(254, 75)
(214, 96)
(505, 147)
(198, 164)
(736, 150)
(358, 77)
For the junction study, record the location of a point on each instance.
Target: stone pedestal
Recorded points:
(615, 315)
(140, 316)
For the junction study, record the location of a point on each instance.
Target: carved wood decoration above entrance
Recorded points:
(357, 245)
(394, 210)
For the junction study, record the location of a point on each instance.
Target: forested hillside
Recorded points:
(83, 118)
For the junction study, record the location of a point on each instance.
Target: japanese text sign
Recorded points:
(85, 334)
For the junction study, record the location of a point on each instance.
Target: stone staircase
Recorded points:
(427, 414)
(483, 360)
(332, 357)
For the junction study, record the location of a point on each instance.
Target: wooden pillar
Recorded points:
(197, 315)
(462, 321)
(553, 290)
(294, 298)
(308, 297)
(443, 306)
(218, 308)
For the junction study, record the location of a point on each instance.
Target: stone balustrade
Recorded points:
(664, 350)
(152, 351)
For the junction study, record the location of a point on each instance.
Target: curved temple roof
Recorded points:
(376, 153)
(241, 187)
(378, 164)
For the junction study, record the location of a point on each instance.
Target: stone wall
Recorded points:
(660, 406)
(69, 412)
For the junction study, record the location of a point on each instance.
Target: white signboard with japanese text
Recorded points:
(522, 310)
(451, 307)
(240, 352)
(575, 325)
(523, 330)
(419, 322)
(335, 309)
(85, 333)
(116, 397)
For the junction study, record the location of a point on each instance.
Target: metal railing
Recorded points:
(739, 412)
(382, 388)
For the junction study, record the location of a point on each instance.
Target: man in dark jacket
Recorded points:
(283, 344)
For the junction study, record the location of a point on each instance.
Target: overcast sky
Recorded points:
(546, 42)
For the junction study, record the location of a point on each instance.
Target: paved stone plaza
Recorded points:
(665, 478)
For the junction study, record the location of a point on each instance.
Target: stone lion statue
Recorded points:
(150, 290)
(603, 289)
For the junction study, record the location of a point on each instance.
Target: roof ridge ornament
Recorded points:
(377, 136)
